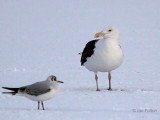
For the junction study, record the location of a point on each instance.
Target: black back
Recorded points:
(88, 51)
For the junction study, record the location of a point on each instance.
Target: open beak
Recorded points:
(60, 81)
(99, 34)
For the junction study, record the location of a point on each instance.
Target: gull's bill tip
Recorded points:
(60, 81)
(99, 34)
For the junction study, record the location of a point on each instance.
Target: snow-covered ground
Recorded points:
(39, 38)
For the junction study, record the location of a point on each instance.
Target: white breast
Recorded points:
(107, 57)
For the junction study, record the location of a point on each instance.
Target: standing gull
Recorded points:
(39, 91)
(103, 55)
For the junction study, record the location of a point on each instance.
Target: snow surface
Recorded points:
(43, 37)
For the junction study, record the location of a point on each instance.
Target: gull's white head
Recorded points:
(53, 79)
(108, 33)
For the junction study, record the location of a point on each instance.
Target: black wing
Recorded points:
(88, 51)
(14, 90)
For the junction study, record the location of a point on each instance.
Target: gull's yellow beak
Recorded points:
(99, 34)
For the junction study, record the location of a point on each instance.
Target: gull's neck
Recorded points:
(112, 39)
(55, 85)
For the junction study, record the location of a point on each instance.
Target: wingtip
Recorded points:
(5, 87)
(9, 93)
(82, 64)
(80, 53)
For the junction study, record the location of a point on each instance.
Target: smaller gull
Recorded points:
(39, 91)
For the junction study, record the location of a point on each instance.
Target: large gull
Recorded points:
(103, 55)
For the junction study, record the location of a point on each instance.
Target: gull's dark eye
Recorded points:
(55, 79)
(110, 30)
(52, 78)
